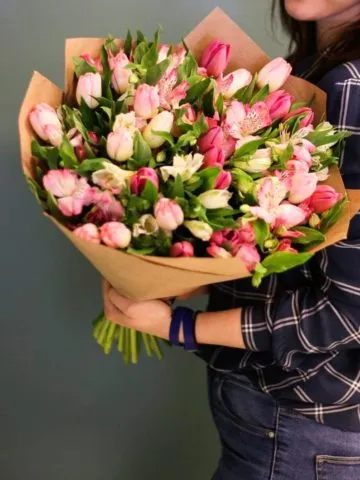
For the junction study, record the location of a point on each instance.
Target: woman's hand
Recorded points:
(151, 316)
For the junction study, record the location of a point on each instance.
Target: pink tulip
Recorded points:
(308, 116)
(217, 252)
(120, 78)
(279, 103)
(88, 232)
(94, 138)
(274, 74)
(138, 181)
(115, 235)
(303, 185)
(232, 239)
(107, 209)
(212, 122)
(168, 214)
(212, 138)
(232, 82)
(118, 60)
(228, 146)
(46, 124)
(223, 180)
(324, 198)
(285, 246)
(249, 255)
(94, 62)
(215, 58)
(72, 192)
(182, 249)
(81, 153)
(120, 145)
(89, 89)
(214, 157)
(189, 114)
(146, 101)
(247, 233)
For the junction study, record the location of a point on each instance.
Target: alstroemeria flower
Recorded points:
(127, 121)
(249, 255)
(71, 191)
(147, 225)
(171, 94)
(111, 177)
(183, 165)
(302, 186)
(94, 62)
(270, 193)
(242, 120)
(106, 209)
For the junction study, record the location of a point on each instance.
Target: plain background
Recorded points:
(67, 412)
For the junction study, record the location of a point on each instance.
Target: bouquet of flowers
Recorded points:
(160, 162)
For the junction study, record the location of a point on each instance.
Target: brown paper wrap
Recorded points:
(158, 277)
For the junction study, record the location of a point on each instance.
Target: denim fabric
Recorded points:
(262, 440)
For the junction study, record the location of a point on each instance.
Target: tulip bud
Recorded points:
(120, 78)
(115, 235)
(279, 103)
(161, 156)
(89, 88)
(147, 101)
(214, 199)
(94, 138)
(308, 114)
(314, 220)
(249, 255)
(168, 214)
(138, 181)
(46, 124)
(212, 138)
(120, 145)
(182, 249)
(81, 153)
(214, 157)
(232, 82)
(88, 232)
(302, 187)
(274, 74)
(258, 163)
(199, 229)
(215, 58)
(163, 122)
(271, 243)
(223, 180)
(218, 252)
(324, 198)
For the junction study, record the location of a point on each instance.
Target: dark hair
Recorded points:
(344, 48)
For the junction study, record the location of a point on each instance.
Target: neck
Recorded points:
(329, 28)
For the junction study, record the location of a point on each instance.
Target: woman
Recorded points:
(285, 384)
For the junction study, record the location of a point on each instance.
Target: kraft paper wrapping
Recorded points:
(134, 275)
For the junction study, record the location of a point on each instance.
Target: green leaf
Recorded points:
(208, 177)
(155, 72)
(52, 208)
(82, 67)
(120, 107)
(91, 165)
(176, 188)
(108, 112)
(279, 262)
(249, 148)
(67, 154)
(311, 236)
(200, 126)
(37, 191)
(208, 104)
(150, 58)
(220, 223)
(157, 36)
(188, 68)
(105, 102)
(245, 94)
(128, 43)
(329, 218)
(150, 192)
(87, 115)
(258, 275)
(110, 44)
(286, 155)
(142, 151)
(141, 251)
(262, 232)
(260, 95)
(140, 51)
(196, 91)
(49, 154)
(106, 77)
(165, 135)
(220, 104)
(140, 37)
(222, 212)
(187, 138)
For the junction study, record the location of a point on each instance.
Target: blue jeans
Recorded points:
(262, 441)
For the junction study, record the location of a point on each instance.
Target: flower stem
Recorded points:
(102, 334)
(121, 339)
(146, 344)
(133, 346)
(109, 338)
(155, 347)
(127, 346)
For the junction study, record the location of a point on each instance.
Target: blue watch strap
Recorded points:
(190, 343)
(175, 325)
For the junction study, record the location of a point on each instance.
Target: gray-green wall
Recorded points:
(66, 411)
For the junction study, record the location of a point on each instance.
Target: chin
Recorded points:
(307, 10)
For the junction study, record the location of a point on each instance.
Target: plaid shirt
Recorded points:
(302, 328)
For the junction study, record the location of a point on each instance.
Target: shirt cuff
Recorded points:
(255, 330)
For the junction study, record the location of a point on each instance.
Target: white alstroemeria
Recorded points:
(125, 120)
(302, 133)
(215, 199)
(199, 229)
(147, 225)
(111, 177)
(323, 174)
(259, 162)
(183, 165)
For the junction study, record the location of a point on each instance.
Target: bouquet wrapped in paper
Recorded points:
(171, 167)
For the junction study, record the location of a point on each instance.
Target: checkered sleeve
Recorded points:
(322, 316)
